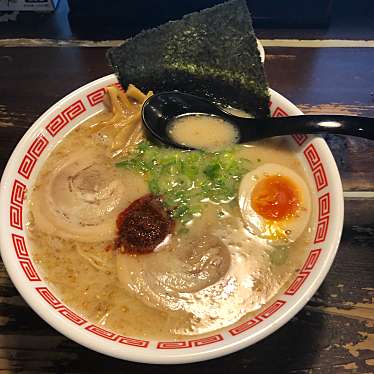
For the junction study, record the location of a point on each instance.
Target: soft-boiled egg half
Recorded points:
(275, 203)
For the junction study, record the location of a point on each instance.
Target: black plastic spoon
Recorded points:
(160, 109)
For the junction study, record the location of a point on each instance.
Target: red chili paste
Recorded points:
(143, 225)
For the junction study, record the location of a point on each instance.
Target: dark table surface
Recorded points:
(334, 333)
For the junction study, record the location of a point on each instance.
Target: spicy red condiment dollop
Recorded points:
(143, 225)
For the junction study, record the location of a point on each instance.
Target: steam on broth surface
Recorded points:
(216, 267)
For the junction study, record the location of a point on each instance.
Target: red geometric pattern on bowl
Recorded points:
(97, 96)
(190, 343)
(101, 332)
(16, 201)
(299, 138)
(311, 260)
(52, 300)
(63, 118)
(323, 218)
(131, 341)
(22, 254)
(18, 193)
(315, 164)
(279, 112)
(17, 196)
(323, 206)
(321, 231)
(55, 303)
(29, 270)
(118, 85)
(15, 217)
(32, 155)
(20, 246)
(257, 319)
(71, 316)
(304, 272)
(115, 337)
(48, 296)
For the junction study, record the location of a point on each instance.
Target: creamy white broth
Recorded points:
(172, 292)
(203, 132)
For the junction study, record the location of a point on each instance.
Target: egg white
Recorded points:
(278, 232)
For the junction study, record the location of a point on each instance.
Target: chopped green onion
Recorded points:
(186, 178)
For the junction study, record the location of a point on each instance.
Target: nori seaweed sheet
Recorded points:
(211, 53)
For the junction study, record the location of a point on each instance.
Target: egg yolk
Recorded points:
(275, 198)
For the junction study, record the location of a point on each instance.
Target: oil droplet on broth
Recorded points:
(206, 132)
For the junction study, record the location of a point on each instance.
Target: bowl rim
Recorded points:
(261, 50)
(154, 356)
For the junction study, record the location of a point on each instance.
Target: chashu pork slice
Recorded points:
(214, 277)
(82, 196)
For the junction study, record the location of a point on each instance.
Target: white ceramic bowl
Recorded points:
(20, 174)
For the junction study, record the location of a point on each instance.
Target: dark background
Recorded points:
(114, 19)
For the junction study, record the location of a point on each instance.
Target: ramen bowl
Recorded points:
(21, 172)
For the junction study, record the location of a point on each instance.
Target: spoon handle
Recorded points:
(309, 124)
